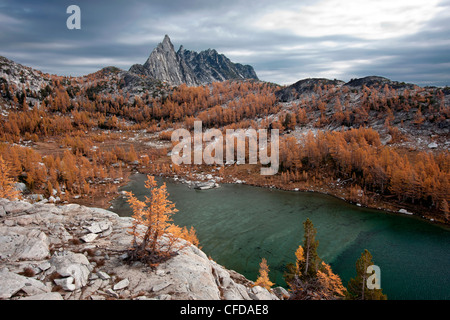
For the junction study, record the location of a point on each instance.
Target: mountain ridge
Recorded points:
(190, 67)
(7, 65)
(293, 91)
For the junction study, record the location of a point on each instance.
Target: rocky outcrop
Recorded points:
(378, 82)
(307, 86)
(206, 185)
(71, 252)
(164, 64)
(20, 78)
(190, 67)
(304, 86)
(210, 66)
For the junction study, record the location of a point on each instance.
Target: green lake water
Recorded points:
(238, 225)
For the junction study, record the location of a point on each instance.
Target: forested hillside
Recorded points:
(372, 141)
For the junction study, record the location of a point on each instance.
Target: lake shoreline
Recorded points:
(390, 207)
(269, 225)
(178, 177)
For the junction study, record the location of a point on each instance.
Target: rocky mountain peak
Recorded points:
(166, 39)
(166, 44)
(190, 67)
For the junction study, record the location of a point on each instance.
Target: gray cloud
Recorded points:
(122, 33)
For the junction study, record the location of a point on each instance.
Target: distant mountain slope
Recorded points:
(295, 90)
(378, 82)
(305, 86)
(400, 112)
(190, 67)
(22, 77)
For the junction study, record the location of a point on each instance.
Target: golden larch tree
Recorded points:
(331, 282)
(300, 258)
(7, 188)
(155, 237)
(263, 279)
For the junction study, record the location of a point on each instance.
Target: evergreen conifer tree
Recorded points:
(357, 288)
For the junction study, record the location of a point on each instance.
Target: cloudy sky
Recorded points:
(285, 41)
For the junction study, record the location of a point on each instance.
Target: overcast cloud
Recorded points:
(285, 41)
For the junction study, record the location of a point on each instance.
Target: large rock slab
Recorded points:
(15, 207)
(11, 283)
(66, 283)
(28, 231)
(45, 296)
(75, 265)
(19, 243)
(260, 293)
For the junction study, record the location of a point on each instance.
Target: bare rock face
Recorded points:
(42, 257)
(164, 64)
(304, 86)
(72, 265)
(11, 283)
(210, 66)
(189, 67)
(45, 296)
(20, 243)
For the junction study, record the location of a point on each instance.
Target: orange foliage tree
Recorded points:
(155, 238)
(310, 278)
(7, 189)
(330, 282)
(263, 279)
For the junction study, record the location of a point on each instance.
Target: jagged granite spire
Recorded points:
(164, 64)
(190, 67)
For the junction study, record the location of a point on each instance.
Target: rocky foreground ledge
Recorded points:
(72, 252)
